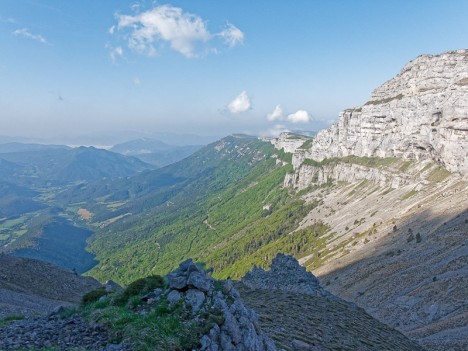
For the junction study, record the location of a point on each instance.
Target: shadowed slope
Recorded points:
(322, 324)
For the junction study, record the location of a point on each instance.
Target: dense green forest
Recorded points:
(224, 206)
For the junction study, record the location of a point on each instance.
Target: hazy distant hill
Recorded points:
(38, 164)
(22, 147)
(155, 151)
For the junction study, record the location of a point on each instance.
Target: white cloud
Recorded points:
(275, 131)
(300, 116)
(115, 53)
(240, 104)
(185, 32)
(25, 33)
(167, 23)
(276, 115)
(136, 82)
(232, 35)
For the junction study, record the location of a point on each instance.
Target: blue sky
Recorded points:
(206, 67)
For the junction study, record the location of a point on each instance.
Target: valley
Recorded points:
(375, 206)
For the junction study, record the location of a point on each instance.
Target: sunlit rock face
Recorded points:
(422, 113)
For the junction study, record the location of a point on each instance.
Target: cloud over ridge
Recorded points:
(300, 116)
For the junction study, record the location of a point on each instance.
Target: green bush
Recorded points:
(93, 296)
(139, 287)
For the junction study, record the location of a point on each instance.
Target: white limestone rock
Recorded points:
(420, 114)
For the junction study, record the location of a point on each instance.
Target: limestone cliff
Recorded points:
(420, 114)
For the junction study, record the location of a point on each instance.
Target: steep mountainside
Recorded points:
(390, 178)
(422, 113)
(301, 315)
(217, 205)
(29, 286)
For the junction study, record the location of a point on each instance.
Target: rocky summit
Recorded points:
(420, 114)
(286, 274)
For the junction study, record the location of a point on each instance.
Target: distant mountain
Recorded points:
(23, 147)
(155, 151)
(141, 146)
(39, 164)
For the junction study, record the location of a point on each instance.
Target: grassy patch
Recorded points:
(10, 318)
(156, 327)
(405, 165)
(426, 167)
(439, 174)
(372, 162)
(409, 194)
(386, 100)
(307, 144)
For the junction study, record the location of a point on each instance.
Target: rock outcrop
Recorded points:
(238, 327)
(289, 142)
(286, 274)
(420, 114)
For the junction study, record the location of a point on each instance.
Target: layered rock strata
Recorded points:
(420, 114)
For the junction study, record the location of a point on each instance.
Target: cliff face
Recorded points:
(420, 114)
(391, 180)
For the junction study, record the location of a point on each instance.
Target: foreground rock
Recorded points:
(236, 329)
(55, 332)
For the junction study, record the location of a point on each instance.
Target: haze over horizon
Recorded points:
(208, 68)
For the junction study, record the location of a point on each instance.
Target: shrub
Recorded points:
(139, 287)
(93, 296)
(418, 238)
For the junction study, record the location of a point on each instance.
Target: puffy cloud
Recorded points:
(300, 116)
(182, 30)
(276, 115)
(232, 35)
(24, 32)
(240, 104)
(136, 82)
(275, 131)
